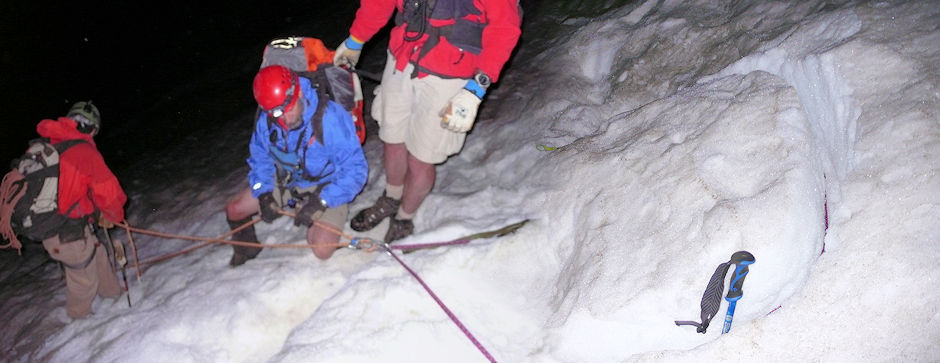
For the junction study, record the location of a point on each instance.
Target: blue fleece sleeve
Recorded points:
(262, 174)
(345, 154)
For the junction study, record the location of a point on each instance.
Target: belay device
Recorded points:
(711, 299)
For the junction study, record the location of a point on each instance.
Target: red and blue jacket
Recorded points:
(496, 25)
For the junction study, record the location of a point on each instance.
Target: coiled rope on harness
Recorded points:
(11, 191)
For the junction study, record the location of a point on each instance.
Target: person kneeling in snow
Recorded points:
(300, 157)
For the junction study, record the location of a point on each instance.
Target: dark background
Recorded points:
(160, 73)
(163, 73)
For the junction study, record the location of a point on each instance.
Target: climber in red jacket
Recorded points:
(441, 60)
(87, 191)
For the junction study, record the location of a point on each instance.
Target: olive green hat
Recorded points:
(86, 114)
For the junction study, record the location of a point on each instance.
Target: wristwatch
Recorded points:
(482, 79)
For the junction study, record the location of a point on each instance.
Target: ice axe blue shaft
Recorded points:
(741, 260)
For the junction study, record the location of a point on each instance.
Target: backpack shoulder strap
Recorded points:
(60, 148)
(67, 144)
(319, 83)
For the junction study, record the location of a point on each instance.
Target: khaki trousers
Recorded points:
(83, 284)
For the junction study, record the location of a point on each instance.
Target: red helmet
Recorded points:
(275, 89)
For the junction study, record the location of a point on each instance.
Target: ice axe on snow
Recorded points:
(741, 260)
(116, 254)
(711, 299)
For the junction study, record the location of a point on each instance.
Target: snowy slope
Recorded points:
(806, 133)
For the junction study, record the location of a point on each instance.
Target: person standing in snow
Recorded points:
(298, 159)
(87, 188)
(441, 59)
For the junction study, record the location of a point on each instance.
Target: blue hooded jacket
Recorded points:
(340, 163)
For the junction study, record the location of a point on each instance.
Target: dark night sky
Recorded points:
(157, 71)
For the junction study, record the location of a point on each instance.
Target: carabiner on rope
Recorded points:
(367, 244)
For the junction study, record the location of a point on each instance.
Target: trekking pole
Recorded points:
(741, 260)
(122, 260)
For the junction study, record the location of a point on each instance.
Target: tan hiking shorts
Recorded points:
(335, 216)
(408, 110)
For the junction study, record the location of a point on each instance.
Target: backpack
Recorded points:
(30, 194)
(314, 61)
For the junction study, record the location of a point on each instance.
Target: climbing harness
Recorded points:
(83, 264)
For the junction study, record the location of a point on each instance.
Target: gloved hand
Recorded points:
(347, 54)
(460, 113)
(268, 207)
(104, 222)
(304, 217)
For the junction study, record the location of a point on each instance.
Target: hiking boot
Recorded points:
(243, 253)
(370, 217)
(398, 229)
(241, 256)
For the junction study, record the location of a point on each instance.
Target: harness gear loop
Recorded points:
(83, 264)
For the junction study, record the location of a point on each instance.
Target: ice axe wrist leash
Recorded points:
(711, 299)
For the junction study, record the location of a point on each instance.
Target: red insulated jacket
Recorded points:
(500, 19)
(83, 175)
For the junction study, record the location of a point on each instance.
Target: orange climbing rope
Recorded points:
(365, 244)
(222, 240)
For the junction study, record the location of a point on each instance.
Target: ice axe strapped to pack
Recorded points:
(116, 255)
(711, 299)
